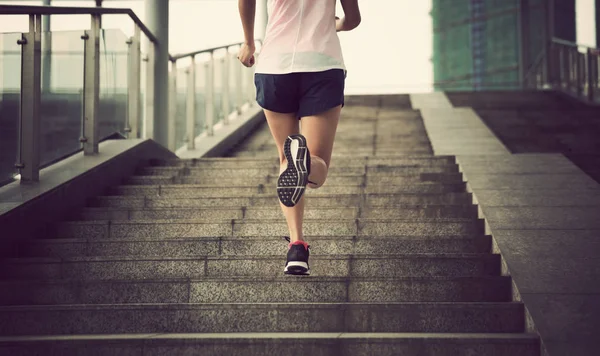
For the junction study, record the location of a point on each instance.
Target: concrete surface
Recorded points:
(544, 215)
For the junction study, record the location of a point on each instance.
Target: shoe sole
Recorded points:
(292, 181)
(297, 268)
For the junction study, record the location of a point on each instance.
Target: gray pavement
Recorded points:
(544, 215)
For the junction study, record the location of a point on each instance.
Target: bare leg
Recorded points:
(282, 126)
(319, 131)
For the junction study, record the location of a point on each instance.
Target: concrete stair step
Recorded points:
(411, 135)
(334, 179)
(287, 289)
(357, 179)
(65, 248)
(355, 104)
(187, 258)
(213, 191)
(421, 149)
(283, 344)
(389, 128)
(273, 170)
(408, 149)
(352, 130)
(408, 123)
(407, 212)
(149, 180)
(198, 228)
(219, 214)
(244, 317)
(274, 162)
(396, 102)
(392, 146)
(420, 212)
(353, 149)
(333, 200)
(359, 103)
(403, 179)
(159, 267)
(387, 137)
(387, 133)
(272, 152)
(410, 120)
(367, 133)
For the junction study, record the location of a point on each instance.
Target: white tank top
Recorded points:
(300, 37)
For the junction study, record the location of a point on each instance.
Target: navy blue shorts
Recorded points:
(304, 93)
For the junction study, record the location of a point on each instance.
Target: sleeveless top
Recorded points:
(300, 37)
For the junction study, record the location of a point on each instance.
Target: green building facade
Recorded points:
(491, 44)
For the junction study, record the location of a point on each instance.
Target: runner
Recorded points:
(299, 80)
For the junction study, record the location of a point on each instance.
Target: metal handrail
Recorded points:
(542, 55)
(28, 155)
(195, 53)
(70, 10)
(571, 44)
(569, 67)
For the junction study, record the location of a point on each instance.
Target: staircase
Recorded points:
(187, 257)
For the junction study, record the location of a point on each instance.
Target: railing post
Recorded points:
(238, 87)
(581, 69)
(566, 66)
(225, 77)
(574, 69)
(547, 62)
(555, 66)
(149, 119)
(28, 160)
(563, 65)
(172, 107)
(595, 73)
(46, 54)
(548, 13)
(191, 105)
(91, 87)
(209, 100)
(577, 67)
(134, 85)
(591, 74)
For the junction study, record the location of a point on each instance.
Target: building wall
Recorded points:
(451, 56)
(564, 20)
(476, 43)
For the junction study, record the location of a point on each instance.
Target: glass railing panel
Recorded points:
(200, 96)
(112, 110)
(218, 87)
(181, 117)
(233, 81)
(143, 79)
(61, 102)
(10, 97)
(225, 67)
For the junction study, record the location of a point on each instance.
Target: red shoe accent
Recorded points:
(303, 243)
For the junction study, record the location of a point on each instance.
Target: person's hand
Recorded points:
(338, 24)
(246, 54)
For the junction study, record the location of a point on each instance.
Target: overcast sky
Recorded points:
(389, 52)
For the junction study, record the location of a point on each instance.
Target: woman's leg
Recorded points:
(282, 126)
(319, 131)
